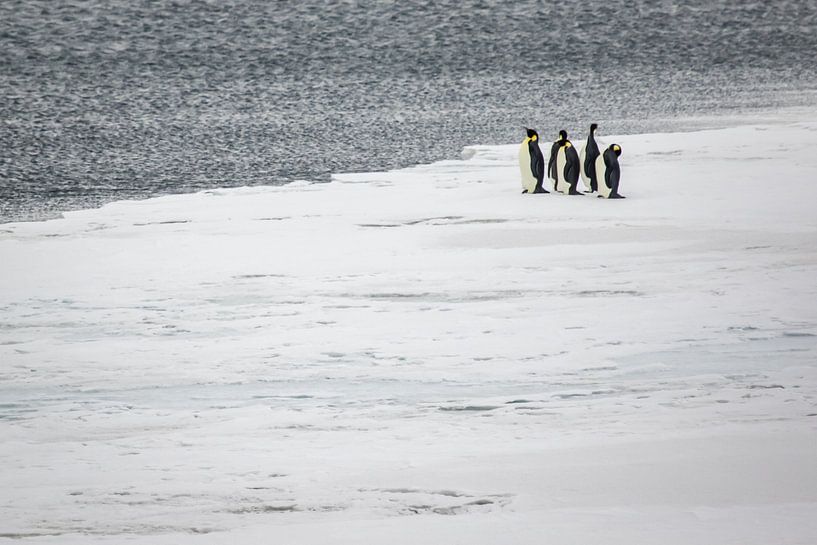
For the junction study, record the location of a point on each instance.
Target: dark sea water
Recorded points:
(118, 99)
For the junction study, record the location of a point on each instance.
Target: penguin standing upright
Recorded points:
(590, 152)
(566, 166)
(532, 164)
(567, 169)
(608, 172)
(554, 150)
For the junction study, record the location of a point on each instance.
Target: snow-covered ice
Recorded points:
(425, 356)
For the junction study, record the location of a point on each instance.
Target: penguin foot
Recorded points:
(574, 192)
(541, 190)
(524, 191)
(617, 196)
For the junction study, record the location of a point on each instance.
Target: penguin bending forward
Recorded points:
(532, 164)
(590, 152)
(608, 173)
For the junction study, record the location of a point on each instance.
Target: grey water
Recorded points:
(103, 100)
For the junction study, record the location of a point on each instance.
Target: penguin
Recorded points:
(588, 160)
(532, 164)
(566, 166)
(608, 173)
(554, 149)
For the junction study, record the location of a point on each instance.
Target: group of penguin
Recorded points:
(599, 170)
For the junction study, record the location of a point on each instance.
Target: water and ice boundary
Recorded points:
(425, 352)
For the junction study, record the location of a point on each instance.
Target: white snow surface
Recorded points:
(425, 356)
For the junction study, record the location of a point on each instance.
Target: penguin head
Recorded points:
(616, 149)
(532, 134)
(593, 127)
(562, 134)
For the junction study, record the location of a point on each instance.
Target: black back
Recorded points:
(571, 166)
(591, 152)
(613, 172)
(537, 162)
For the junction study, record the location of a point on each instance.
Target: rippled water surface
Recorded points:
(104, 100)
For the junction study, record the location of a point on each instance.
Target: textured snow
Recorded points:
(425, 356)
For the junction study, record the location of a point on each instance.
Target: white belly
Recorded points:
(601, 171)
(528, 181)
(561, 160)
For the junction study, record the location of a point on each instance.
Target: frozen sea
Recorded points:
(425, 355)
(203, 346)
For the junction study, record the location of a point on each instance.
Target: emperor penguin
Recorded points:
(532, 164)
(588, 156)
(567, 169)
(554, 149)
(608, 173)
